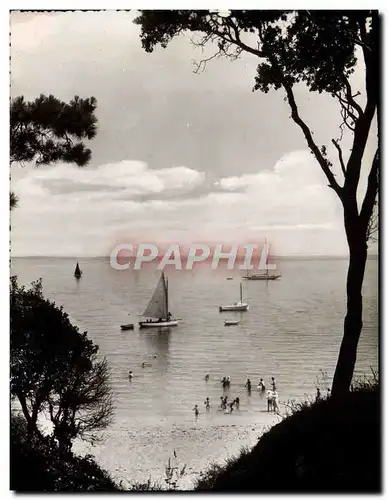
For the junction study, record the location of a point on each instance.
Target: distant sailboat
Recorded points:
(77, 272)
(263, 276)
(158, 308)
(237, 306)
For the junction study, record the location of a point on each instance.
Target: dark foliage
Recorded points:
(37, 466)
(329, 446)
(55, 369)
(48, 130)
(317, 47)
(13, 200)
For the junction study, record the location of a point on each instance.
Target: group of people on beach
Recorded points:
(228, 407)
(272, 395)
(225, 382)
(223, 406)
(261, 385)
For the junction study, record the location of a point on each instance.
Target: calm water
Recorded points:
(292, 331)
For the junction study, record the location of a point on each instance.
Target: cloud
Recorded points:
(87, 207)
(216, 161)
(288, 202)
(129, 178)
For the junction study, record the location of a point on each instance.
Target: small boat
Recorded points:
(229, 278)
(77, 272)
(230, 322)
(158, 308)
(262, 277)
(129, 326)
(237, 306)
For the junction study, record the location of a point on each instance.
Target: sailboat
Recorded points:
(262, 277)
(77, 272)
(237, 306)
(158, 308)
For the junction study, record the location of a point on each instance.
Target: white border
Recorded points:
(4, 186)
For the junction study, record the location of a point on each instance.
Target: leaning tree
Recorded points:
(55, 370)
(47, 130)
(319, 49)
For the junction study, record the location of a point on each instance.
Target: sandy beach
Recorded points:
(134, 453)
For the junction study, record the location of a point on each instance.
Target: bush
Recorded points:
(327, 446)
(38, 466)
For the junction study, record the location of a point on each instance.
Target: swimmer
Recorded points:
(196, 411)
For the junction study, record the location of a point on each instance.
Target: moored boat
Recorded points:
(77, 271)
(237, 306)
(262, 277)
(157, 308)
(129, 326)
(230, 322)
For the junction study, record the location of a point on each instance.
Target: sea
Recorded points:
(292, 332)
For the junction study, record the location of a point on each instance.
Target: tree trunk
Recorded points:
(353, 320)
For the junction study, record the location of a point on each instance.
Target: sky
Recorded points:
(178, 157)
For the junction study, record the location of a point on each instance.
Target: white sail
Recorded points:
(157, 307)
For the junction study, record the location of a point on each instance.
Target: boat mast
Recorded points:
(166, 294)
(240, 292)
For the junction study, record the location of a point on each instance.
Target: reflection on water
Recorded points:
(159, 341)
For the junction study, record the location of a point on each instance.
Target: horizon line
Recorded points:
(273, 256)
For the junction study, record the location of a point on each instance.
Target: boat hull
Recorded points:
(261, 278)
(127, 327)
(158, 324)
(231, 323)
(234, 307)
